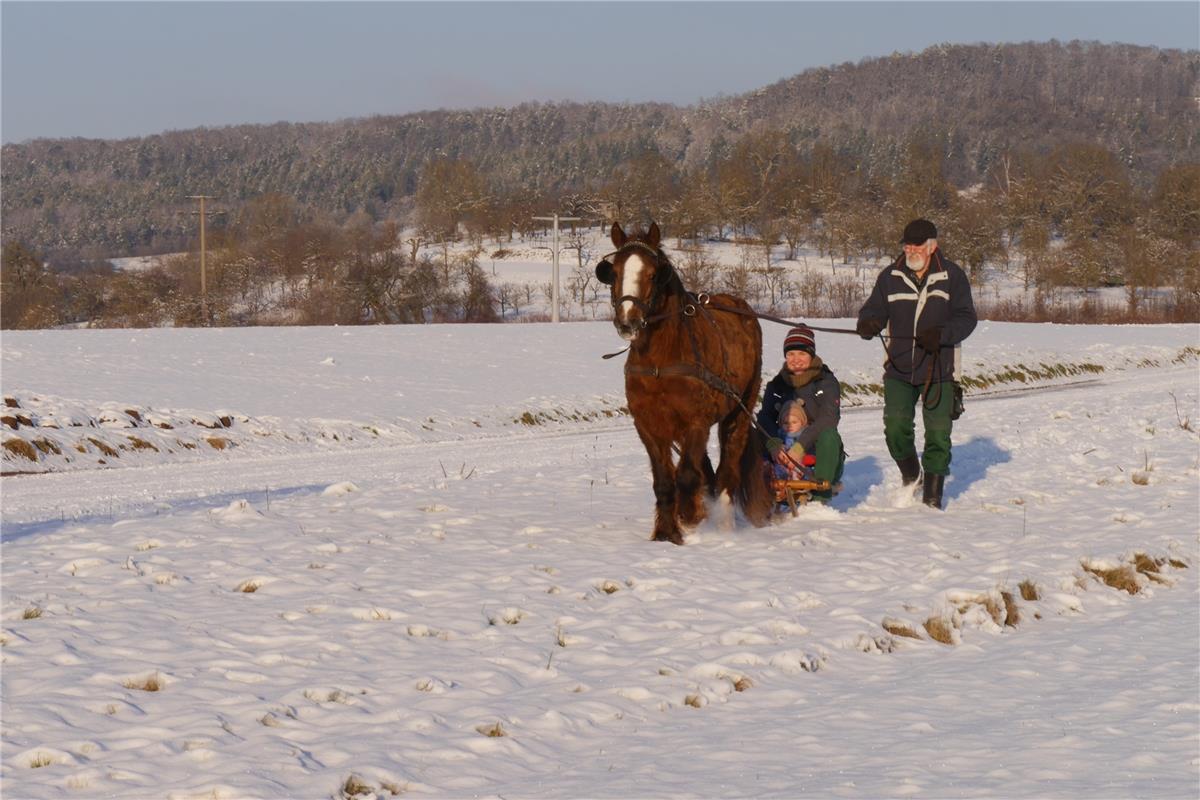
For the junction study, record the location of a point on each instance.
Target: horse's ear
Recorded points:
(618, 236)
(605, 273)
(654, 236)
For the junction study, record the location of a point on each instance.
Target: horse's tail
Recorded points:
(754, 495)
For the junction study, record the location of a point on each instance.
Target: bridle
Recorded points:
(647, 307)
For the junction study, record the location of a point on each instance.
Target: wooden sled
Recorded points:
(798, 492)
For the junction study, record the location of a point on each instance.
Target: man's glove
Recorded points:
(930, 339)
(869, 328)
(774, 446)
(796, 452)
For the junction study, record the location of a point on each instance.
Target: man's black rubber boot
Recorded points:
(933, 490)
(910, 469)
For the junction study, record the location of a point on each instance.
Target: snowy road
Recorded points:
(110, 493)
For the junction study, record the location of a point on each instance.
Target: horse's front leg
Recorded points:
(690, 477)
(666, 526)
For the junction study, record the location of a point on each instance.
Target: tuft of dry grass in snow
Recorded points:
(1123, 577)
(940, 629)
(1029, 590)
(494, 730)
(898, 627)
(19, 447)
(355, 787)
(104, 447)
(1012, 614)
(47, 447)
(150, 683)
(1151, 568)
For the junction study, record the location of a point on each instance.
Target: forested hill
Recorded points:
(975, 103)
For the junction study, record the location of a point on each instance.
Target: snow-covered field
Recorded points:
(455, 597)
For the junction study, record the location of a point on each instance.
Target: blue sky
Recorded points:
(113, 70)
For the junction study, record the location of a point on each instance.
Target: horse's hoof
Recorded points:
(676, 538)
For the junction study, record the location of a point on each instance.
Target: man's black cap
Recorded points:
(917, 231)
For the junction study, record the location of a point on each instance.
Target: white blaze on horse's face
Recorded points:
(627, 316)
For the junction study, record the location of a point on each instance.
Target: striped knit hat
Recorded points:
(800, 338)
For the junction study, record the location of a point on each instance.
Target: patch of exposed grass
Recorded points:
(136, 415)
(1188, 353)
(40, 760)
(356, 787)
(494, 730)
(1123, 577)
(1150, 567)
(1029, 590)
(694, 700)
(249, 586)
(186, 445)
(11, 402)
(47, 447)
(1177, 564)
(218, 442)
(22, 448)
(898, 627)
(531, 418)
(141, 444)
(104, 447)
(940, 630)
(742, 684)
(1145, 564)
(1012, 614)
(996, 609)
(33, 612)
(150, 683)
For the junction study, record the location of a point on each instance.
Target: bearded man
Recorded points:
(924, 301)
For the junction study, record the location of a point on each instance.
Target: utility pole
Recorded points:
(554, 293)
(203, 257)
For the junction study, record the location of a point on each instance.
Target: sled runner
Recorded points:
(795, 493)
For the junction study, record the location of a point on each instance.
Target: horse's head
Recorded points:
(638, 272)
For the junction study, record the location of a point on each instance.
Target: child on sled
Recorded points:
(792, 422)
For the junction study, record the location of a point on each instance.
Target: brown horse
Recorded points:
(689, 368)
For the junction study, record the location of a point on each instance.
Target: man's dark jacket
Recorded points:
(906, 305)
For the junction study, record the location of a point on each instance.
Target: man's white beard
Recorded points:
(916, 262)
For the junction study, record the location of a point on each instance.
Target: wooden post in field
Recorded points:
(203, 257)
